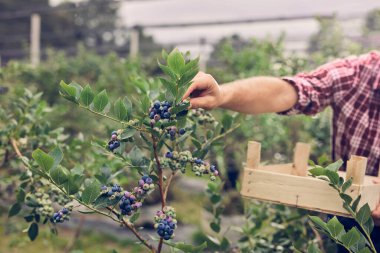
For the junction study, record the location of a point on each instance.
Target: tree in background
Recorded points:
(94, 23)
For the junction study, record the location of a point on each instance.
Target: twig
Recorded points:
(14, 145)
(168, 183)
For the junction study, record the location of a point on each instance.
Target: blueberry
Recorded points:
(166, 115)
(145, 177)
(116, 144)
(110, 193)
(172, 132)
(170, 231)
(169, 155)
(160, 232)
(182, 131)
(161, 226)
(212, 168)
(149, 180)
(65, 211)
(167, 237)
(198, 161)
(165, 108)
(157, 104)
(111, 147)
(123, 212)
(151, 115)
(103, 188)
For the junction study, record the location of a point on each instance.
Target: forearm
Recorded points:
(258, 95)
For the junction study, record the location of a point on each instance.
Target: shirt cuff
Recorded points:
(303, 101)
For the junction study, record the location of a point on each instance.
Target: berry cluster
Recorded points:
(202, 116)
(165, 222)
(159, 110)
(130, 201)
(44, 202)
(172, 132)
(178, 161)
(61, 215)
(114, 143)
(111, 192)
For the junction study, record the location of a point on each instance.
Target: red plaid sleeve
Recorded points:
(324, 86)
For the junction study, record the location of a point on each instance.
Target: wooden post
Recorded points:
(134, 42)
(253, 154)
(356, 167)
(301, 159)
(35, 37)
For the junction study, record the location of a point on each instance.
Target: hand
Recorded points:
(204, 92)
(376, 212)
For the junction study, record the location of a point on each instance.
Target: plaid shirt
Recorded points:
(351, 87)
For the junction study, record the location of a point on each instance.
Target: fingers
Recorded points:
(200, 82)
(201, 102)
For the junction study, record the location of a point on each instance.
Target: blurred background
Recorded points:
(111, 44)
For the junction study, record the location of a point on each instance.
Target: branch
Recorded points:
(134, 231)
(113, 119)
(14, 145)
(160, 176)
(168, 183)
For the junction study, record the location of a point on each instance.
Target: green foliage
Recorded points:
(354, 240)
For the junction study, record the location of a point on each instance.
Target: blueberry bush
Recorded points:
(156, 135)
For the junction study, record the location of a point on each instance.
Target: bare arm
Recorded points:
(252, 96)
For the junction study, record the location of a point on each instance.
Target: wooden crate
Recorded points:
(290, 184)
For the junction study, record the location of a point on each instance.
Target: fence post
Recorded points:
(134, 42)
(35, 37)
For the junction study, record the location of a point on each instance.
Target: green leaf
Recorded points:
(320, 224)
(176, 62)
(351, 237)
(365, 250)
(187, 77)
(164, 54)
(57, 155)
(215, 227)
(103, 201)
(347, 198)
(33, 231)
(363, 214)
(227, 121)
(192, 64)
(187, 248)
(313, 248)
(100, 101)
(317, 171)
(20, 197)
(347, 185)
(369, 225)
(170, 87)
(145, 103)
(180, 108)
(44, 160)
(14, 209)
(134, 217)
(333, 176)
(127, 133)
(86, 96)
(356, 202)
(67, 91)
(73, 183)
(120, 110)
(335, 227)
(91, 192)
(60, 175)
(335, 166)
(168, 71)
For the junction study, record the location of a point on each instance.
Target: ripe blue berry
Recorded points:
(182, 131)
(157, 105)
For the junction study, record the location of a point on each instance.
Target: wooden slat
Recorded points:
(279, 168)
(253, 154)
(301, 159)
(303, 192)
(356, 168)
